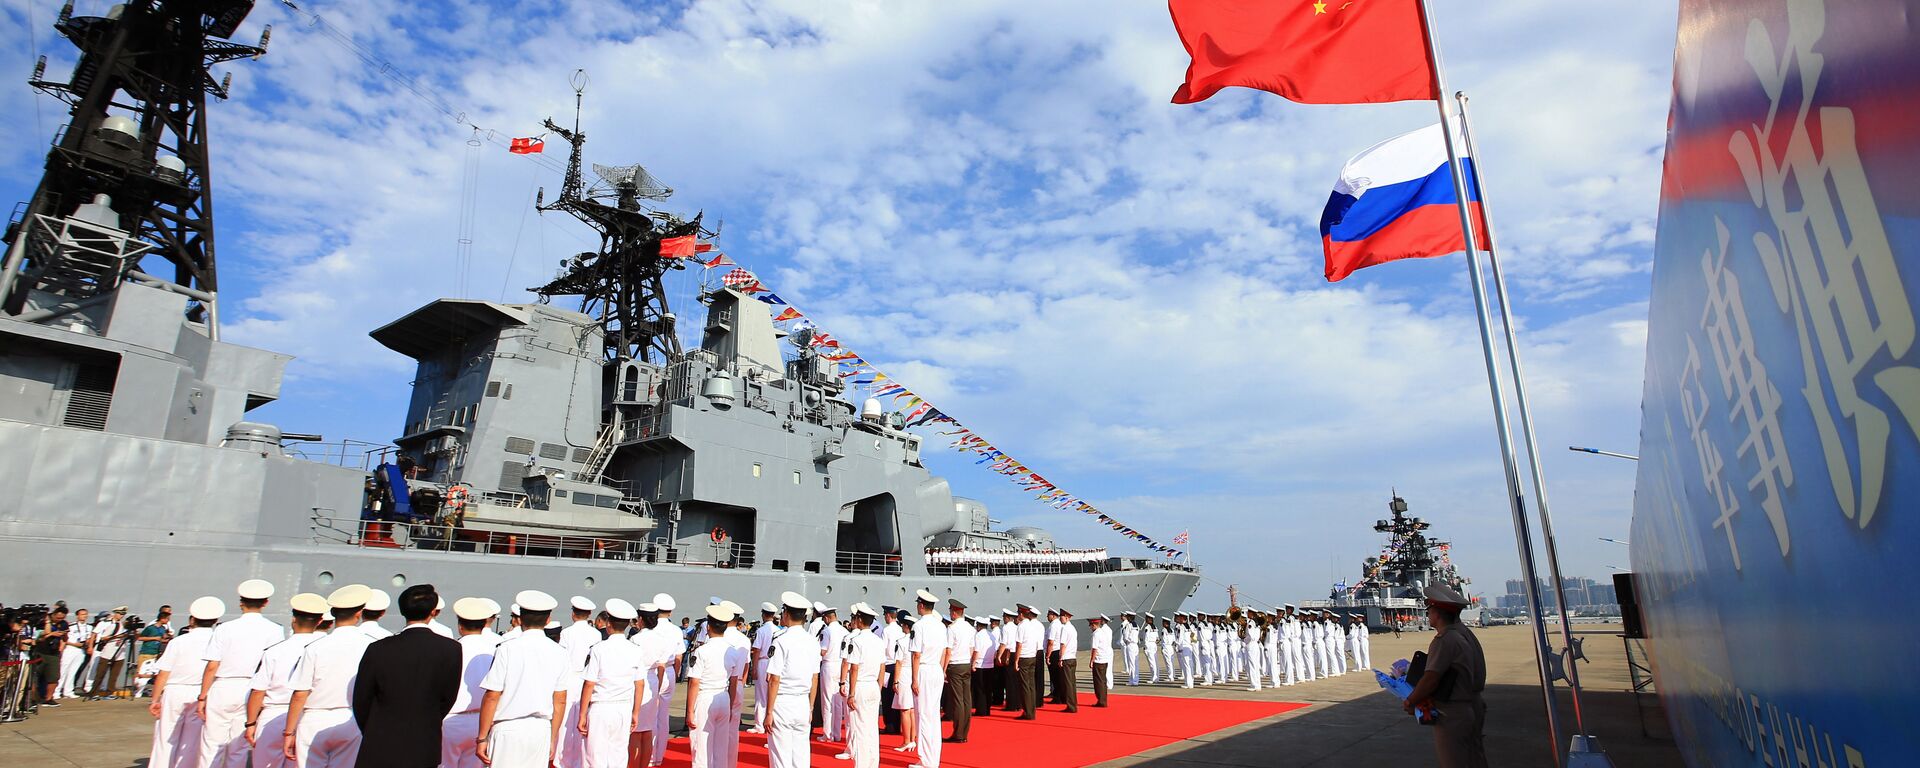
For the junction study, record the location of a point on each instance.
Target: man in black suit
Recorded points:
(406, 686)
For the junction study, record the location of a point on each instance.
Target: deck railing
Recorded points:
(328, 527)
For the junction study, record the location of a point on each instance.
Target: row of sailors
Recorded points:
(1014, 557)
(1283, 647)
(341, 691)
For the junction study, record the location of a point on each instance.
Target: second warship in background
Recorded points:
(577, 452)
(1391, 586)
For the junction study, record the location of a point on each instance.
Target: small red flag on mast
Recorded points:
(527, 146)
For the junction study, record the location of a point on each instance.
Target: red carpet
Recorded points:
(1128, 725)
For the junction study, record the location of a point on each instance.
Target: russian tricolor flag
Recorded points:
(1395, 201)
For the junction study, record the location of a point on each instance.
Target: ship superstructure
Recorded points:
(576, 450)
(1390, 588)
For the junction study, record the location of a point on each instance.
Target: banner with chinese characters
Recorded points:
(918, 412)
(1777, 509)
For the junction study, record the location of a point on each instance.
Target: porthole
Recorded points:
(863, 590)
(399, 580)
(829, 589)
(587, 582)
(323, 578)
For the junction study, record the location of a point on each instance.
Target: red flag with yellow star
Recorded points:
(1309, 51)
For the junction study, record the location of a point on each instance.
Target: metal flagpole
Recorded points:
(1526, 435)
(1516, 498)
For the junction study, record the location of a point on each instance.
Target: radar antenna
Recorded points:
(621, 283)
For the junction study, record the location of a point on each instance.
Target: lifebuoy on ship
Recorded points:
(719, 535)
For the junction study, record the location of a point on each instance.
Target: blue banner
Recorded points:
(1777, 513)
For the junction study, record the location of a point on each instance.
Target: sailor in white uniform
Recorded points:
(526, 690)
(1183, 647)
(1150, 644)
(378, 601)
(866, 654)
(176, 725)
(608, 686)
(1272, 637)
(461, 728)
(232, 658)
(929, 649)
(434, 623)
(271, 687)
(321, 732)
(578, 639)
(793, 665)
(833, 696)
(713, 679)
(1130, 647)
(674, 647)
(762, 644)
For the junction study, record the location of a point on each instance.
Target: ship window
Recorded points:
(493, 389)
(583, 499)
(559, 493)
(812, 566)
(796, 477)
(780, 565)
(519, 446)
(608, 501)
(756, 469)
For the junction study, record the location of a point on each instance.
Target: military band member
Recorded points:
(321, 732)
(177, 675)
(1169, 645)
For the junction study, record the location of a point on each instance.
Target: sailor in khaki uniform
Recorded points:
(176, 726)
(232, 658)
(526, 691)
(321, 732)
(271, 688)
(462, 726)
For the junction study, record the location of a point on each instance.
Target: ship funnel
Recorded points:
(718, 388)
(871, 411)
(119, 131)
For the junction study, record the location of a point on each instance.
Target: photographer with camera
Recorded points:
(110, 640)
(153, 641)
(48, 638)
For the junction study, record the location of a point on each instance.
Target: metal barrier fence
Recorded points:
(384, 535)
(867, 563)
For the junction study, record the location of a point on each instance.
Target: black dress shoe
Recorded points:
(1026, 717)
(952, 740)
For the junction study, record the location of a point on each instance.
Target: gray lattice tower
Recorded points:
(150, 62)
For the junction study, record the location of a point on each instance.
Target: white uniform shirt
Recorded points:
(442, 630)
(328, 667)
(1129, 634)
(373, 629)
(578, 638)
(763, 640)
(78, 634)
(1033, 638)
(795, 660)
(896, 639)
(275, 674)
(960, 643)
(182, 661)
(237, 644)
(613, 666)
(713, 665)
(831, 638)
(985, 644)
(527, 670)
(1069, 640)
(1102, 645)
(476, 657)
(929, 639)
(866, 651)
(107, 649)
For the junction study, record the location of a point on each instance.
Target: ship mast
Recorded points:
(621, 283)
(129, 176)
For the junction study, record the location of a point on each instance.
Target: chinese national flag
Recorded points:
(530, 146)
(681, 247)
(1309, 51)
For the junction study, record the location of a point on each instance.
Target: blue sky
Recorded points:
(995, 202)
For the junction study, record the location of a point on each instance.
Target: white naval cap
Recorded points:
(308, 602)
(621, 609)
(714, 600)
(439, 603)
(719, 613)
(516, 609)
(1101, 617)
(732, 606)
(350, 596)
(925, 596)
(768, 608)
(862, 609)
(664, 602)
(553, 623)
(795, 601)
(581, 603)
(493, 606)
(256, 589)
(1009, 612)
(647, 608)
(472, 608)
(378, 600)
(535, 600)
(207, 608)
(819, 607)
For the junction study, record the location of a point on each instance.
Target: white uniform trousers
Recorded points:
(1290, 657)
(1132, 652)
(326, 738)
(1187, 661)
(1273, 664)
(1366, 650)
(926, 718)
(1251, 656)
(609, 724)
(573, 746)
(223, 739)
(525, 742)
(1204, 658)
(863, 733)
(83, 678)
(706, 733)
(457, 733)
(71, 660)
(759, 694)
(732, 731)
(787, 745)
(176, 734)
(272, 732)
(1153, 663)
(662, 720)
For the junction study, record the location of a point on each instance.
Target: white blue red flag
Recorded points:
(1396, 201)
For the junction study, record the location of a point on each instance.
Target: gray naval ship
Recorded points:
(1391, 590)
(577, 452)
